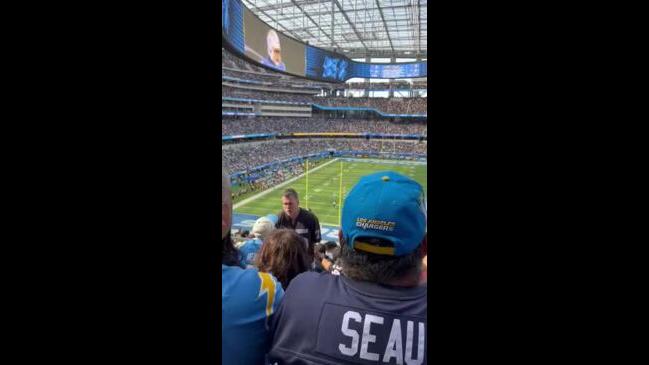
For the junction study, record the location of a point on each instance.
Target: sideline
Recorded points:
(386, 162)
(266, 192)
(244, 222)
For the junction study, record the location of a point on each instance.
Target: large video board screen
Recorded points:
(325, 65)
(270, 47)
(390, 70)
(232, 23)
(246, 33)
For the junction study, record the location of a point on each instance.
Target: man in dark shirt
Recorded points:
(374, 312)
(303, 222)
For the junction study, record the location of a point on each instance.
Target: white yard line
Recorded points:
(266, 192)
(328, 224)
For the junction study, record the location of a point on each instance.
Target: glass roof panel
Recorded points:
(361, 27)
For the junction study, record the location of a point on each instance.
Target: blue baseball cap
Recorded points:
(385, 214)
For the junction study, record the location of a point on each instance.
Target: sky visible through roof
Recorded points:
(360, 27)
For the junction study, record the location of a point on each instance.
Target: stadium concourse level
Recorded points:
(234, 66)
(385, 105)
(239, 126)
(244, 156)
(276, 95)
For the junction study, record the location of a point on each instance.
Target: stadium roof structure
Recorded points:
(361, 28)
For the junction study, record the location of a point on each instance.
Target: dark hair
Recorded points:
(320, 248)
(290, 193)
(231, 255)
(284, 255)
(380, 269)
(330, 245)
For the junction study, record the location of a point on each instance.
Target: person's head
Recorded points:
(328, 250)
(262, 228)
(383, 232)
(331, 250)
(326, 254)
(283, 254)
(274, 48)
(290, 203)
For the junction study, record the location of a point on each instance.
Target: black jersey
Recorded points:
(306, 226)
(331, 319)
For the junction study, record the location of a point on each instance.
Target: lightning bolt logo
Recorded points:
(268, 287)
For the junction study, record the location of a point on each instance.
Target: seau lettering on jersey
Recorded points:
(361, 337)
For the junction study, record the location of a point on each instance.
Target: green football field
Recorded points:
(324, 184)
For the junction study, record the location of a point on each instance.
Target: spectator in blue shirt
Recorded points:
(249, 249)
(249, 298)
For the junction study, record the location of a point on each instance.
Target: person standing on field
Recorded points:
(302, 221)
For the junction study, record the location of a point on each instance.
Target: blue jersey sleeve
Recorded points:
(249, 299)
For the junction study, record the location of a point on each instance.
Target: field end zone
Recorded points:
(325, 186)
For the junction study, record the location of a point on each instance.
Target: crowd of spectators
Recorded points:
(386, 105)
(248, 75)
(237, 126)
(242, 157)
(263, 325)
(245, 156)
(231, 61)
(272, 176)
(295, 280)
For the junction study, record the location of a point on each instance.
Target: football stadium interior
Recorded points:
(315, 95)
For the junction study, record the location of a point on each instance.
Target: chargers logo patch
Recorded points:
(375, 224)
(267, 287)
